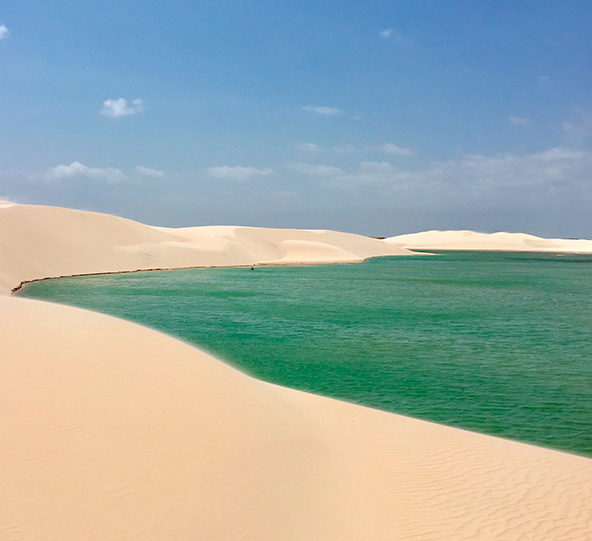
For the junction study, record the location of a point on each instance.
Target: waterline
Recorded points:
(497, 343)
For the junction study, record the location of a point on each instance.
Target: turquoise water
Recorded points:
(496, 343)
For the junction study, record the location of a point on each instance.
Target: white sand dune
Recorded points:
(471, 240)
(109, 430)
(38, 242)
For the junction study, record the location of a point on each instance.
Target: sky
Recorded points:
(375, 117)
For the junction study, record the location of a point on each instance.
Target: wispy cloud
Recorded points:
(78, 170)
(543, 79)
(237, 172)
(344, 149)
(324, 111)
(310, 147)
(120, 107)
(393, 35)
(474, 174)
(4, 33)
(316, 170)
(518, 121)
(580, 128)
(554, 165)
(389, 148)
(378, 167)
(147, 172)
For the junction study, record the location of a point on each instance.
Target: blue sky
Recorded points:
(372, 117)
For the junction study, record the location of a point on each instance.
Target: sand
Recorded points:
(38, 242)
(109, 430)
(471, 240)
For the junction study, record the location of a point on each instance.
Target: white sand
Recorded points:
(471, 240)
(111, 431)
(38, 242)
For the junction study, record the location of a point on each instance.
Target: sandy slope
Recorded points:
(113, 431)
(506, 242)
(109, 430)
(38, 242)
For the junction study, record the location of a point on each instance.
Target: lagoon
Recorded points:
(498, 343)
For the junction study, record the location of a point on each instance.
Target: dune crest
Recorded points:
(39, 242)
(471, 240)
(109, 430)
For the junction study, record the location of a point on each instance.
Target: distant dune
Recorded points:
(506, 242)
(109, 430)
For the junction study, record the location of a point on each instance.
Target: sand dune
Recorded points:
(113, 431)
(109, 430)
(38, 242)
(471, 240)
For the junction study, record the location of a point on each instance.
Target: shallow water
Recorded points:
(491, 342)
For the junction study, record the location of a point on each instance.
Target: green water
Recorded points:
(496, 343)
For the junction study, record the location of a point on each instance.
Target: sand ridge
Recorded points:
(110, 430)
(39, 242)
(472, 240)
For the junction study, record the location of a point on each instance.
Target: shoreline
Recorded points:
(155, 432)
(420, 252)
(42, 242)
(347, 400)
(165, 269)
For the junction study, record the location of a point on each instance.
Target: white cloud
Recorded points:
(310, 147)
(578, 130)
(78, 170)
(517, 121)
(394, 36)
(553, 165)
(474, 174)
(147, 172)
(316, 170)
(344, 150)
(543, 79)
(4, 33)
(237, 172)
(324, 111)
(120, 107)
(383, 167)
(389, 148)
(581, 128)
